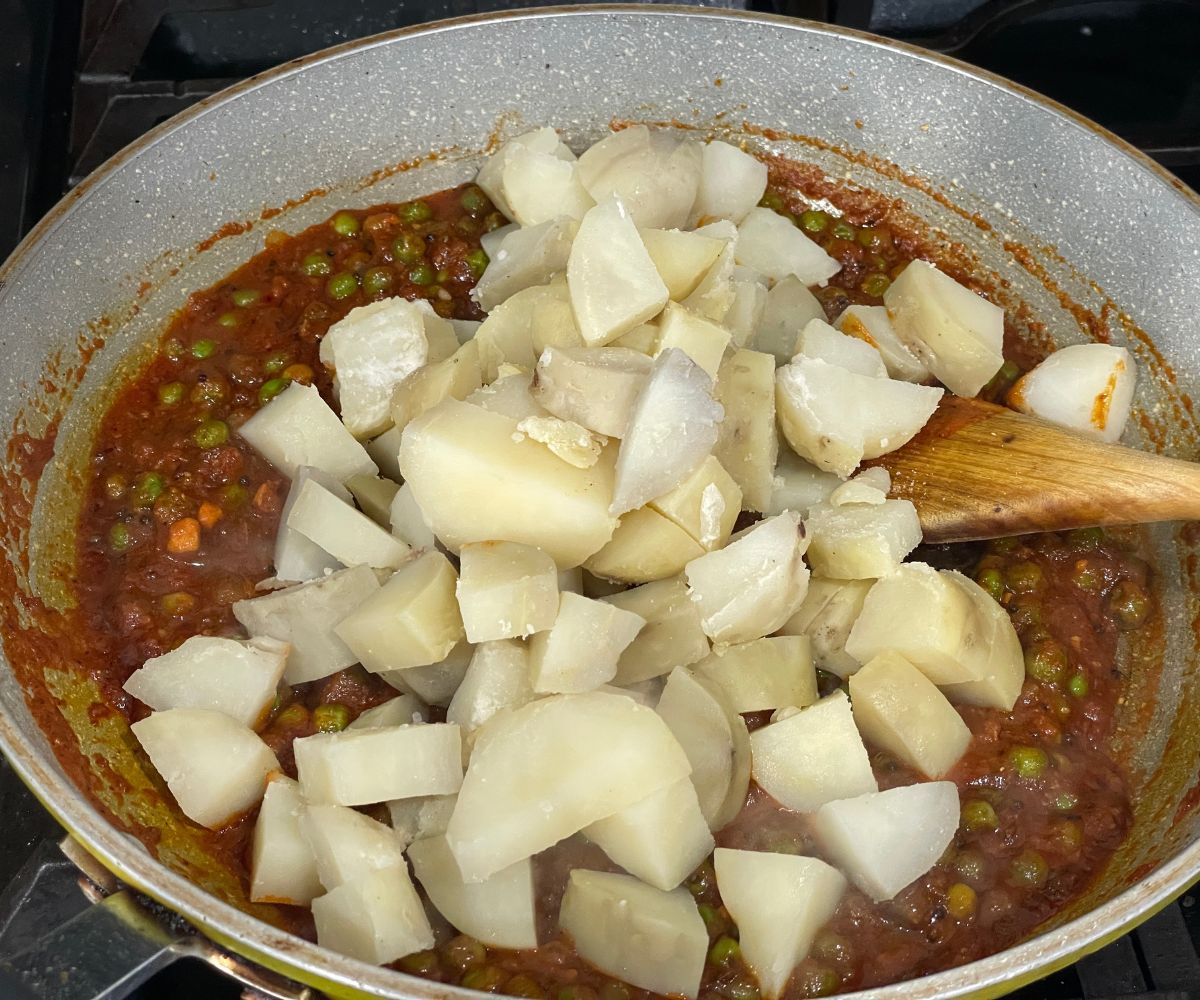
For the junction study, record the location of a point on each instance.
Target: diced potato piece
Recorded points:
(745, 312)
(924, 616)
(731, 183)
(813, 756)
(789, 308)
(779, 902)
(540, 187)
(458, 376)
(552, 320)
(748, 444)
(655, 175)
(475, 483)
(595, 387)
(799, 485)
(497, 678)
(764, 674)
(498, 911)
(672, 636)
(571, 442)
(347, 845)
(956, 334)
(672, 429)
(571, 579)
(435, 683)
(714, 295)
(820, 340)
(348, 535)
(236, 677)
(752, 586)
(403, 710)
(614, 284)
(643, 692)
(862, 541)
(1003, 662)
(377, 918)
(215, 767)
(716, 741)
(544, 771)
(358, 767)
(372, 349)
(661, 839)
(526, 258)
(829, 611)
(871, 325)
(374, 496)
(491, 173)
(700, 339)
(510, 396)
(408, 522)
(411, 621)
(642, 338)
(298, 558)
(282, 867)
(383, 450)
(305, 617)
(646, 546)
(506, 336)
(771, 244)
(886, 840)
(421, 817)
(897, 708)
(297, 428)
(681, 259)
(465, 329)
(1086, 387)
(705, 505)
(506, 590)
(651, 939)
(871, 486)
(581, 651)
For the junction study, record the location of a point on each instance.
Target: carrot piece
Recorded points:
(184, 535)
(210, 514)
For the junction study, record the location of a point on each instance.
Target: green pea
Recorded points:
(1024, 577)
(961, 901)
(875, 285)
(211, 434)
(1008, 372)
(422, 274)
(724, 950)
(462, 952)
(345, 224)
(814, 221)
(1066, 801)
(148, 488)
(378, 280)
(421, 963)
(712, 919)
(415, 211)
(1085, 539)
(1003, 546)
(842, 230)
(979, 815)
(1025, 612)
(875, 238)
(332, 718)
(1047, 662)
(246, 297)
(475, 202)
(118, 537)
(295, 716)
(1027, 869)
(772, 200)
(170, 393)
(177, 604)
(342, 286)
(818, 981)
(486, 979)
(115, 486)
(276, 363)
(833, 948)
(233, 496)
(202, 349)
(229, 319)
(1085, 576)
(209, 392)
(991, 580)
(1028, 762)
(272, 388)
(172, 350)
(523, 986)
(408, 248)
(1078, 685)
(316, 265)
(614, 991)
(477, 261)
(1130, 605)
(740, 988)
(971, 866)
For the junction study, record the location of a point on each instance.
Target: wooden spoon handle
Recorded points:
(978, 470)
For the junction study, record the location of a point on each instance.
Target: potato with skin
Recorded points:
(646, 546)
(282, 867)
(377, 918)
(1002, 669)
(748, 442)
(580, 651)
(705, 505)
(1086, 387)
(764, 674)
(506, 590)
(827, 615)
(871, 325)
(820, 340)
(672, 636)
(858, 541)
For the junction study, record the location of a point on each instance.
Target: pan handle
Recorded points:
(69, 931)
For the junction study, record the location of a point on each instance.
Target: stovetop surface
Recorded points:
(79, 80)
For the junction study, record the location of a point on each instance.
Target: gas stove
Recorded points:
(80, 80)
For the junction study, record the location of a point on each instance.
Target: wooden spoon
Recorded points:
(978, 470)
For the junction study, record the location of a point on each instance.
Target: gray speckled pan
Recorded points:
(1092, 236)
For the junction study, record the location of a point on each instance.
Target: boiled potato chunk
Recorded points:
(497, 678)
(764, 674)
(580, 651)
(705, 505)
(899, 709)
(652, 173)
(475, 483)
(498, 911)
(731, 183)
(298, 428)
(506, 590)
(648, 938)
(236, 677)
(646, 546)
(748, 443)
(216, 767)
(661, 839)
(829, 611)
(680, 258)
(298, 558)
(542, 186)
(435, 683)
(820, 340)
(779, 902)
(408, 521)
(346, 844)
(716, 742)
(374, 496)
(799, 485)
(871, 325)
(672, 429)
(544, 771)
(1086, 387)
(282, 867)
(382, 451)
(956, 334)
(458, 376)
(359, 767)
(377, 918)
(411, 621)
(305, 617)
(775, 247)
(810, 398)
(527, 257)
(571, 442)
(714, 294)
(700, 339)
(884, 841)
(594, 387)
(813, 756)
(491, 173)
(1003, 663)
(790, 306)
(672, 636)
(862, 541)
(614, 284)
(402, 710)
(752, 586)
(506, 337)
(348, 535)
(745, 312)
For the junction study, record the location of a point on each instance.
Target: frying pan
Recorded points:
(1092, 237)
